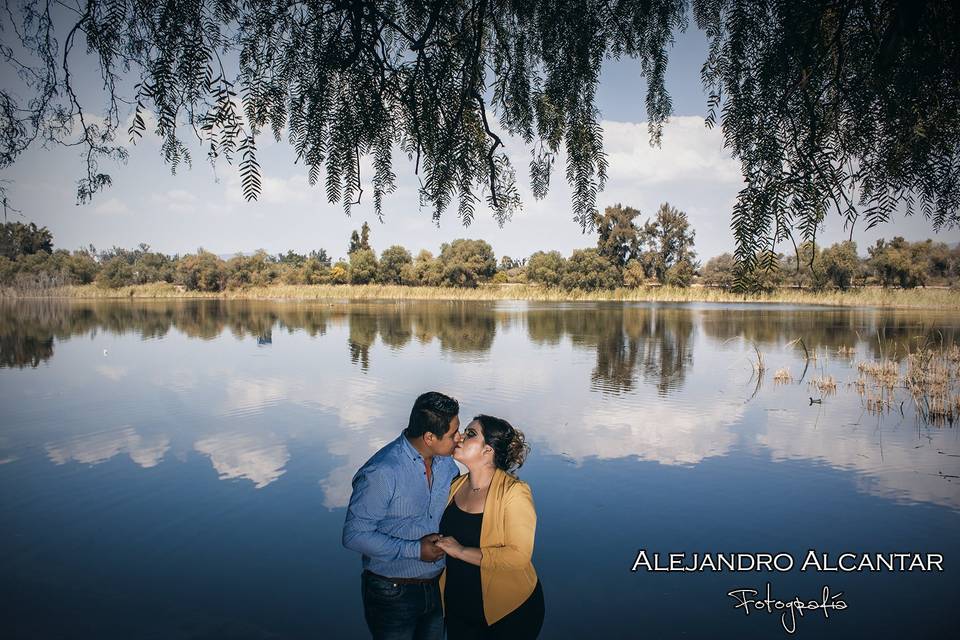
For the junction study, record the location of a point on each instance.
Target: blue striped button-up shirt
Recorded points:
(392, 507)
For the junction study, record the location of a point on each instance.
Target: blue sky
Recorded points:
(201, 208)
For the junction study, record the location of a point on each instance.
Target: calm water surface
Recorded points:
(181, 469)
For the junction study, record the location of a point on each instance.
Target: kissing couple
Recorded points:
(440, 549)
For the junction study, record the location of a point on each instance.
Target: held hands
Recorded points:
(450, 546)
(429, 550)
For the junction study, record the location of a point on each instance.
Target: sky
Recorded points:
(202, 207)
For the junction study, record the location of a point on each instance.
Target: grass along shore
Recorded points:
(925, 298)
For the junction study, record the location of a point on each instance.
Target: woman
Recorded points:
(489, 588)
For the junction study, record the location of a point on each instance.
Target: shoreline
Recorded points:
(925, 298)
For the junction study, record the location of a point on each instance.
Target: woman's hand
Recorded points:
(450, 546)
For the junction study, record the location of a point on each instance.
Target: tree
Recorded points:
(841, 264)
(115, 272)
(818, 100)
(202, 271)
(258, 270)
(803, 268)
(634, 275)
(425, 271)
(340, 272)
(315, 271)
(321, 257)
(618, 236)
(668, 242)
(354, 243)
(719, 271)
(588, 270)
(392, 261)
(937, 257)
(363, 266)
(365, 236)
(894, 263)
(680, 274)
(82, 267)
(291, 257)
(546, 268)
(18, 239)
(467, 262)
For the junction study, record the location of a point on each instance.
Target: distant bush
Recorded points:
(466, 263)
(392, 262)
(719, 271)
(340, 273)
(258, 270)
(363, 266)
(202, 271)
(546, 268)
(680, 274)
(588, 270)
(634, 275)
(114, 273)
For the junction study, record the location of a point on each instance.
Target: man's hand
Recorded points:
(429, 551)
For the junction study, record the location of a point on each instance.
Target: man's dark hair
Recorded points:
(432, 412)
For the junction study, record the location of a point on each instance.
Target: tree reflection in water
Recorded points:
(654, 342)
(631, 343)
(887, 333)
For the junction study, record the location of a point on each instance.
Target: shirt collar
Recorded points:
(409, 449)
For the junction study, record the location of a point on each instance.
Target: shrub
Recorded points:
(363, 266)
(392, 262)
(546, 268)
(634, 275)
(340, 273)
(467, 262)
(588, 270)
(202, 271)
(115, 273)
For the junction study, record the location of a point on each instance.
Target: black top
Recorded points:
(462, 594)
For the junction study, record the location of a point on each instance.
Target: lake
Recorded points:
(180, 469)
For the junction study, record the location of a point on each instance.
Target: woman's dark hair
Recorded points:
(432, 412)
(509, 446)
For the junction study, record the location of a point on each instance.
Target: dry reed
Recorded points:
(826, 385)
(782, 376)
(868, 297)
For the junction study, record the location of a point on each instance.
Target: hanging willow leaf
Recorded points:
(848, 107)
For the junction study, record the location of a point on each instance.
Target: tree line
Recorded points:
(627, 254)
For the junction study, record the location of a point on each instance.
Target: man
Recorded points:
(399, 496)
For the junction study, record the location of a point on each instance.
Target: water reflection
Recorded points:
(664, 433)
(19, 350)
(163, 439)
(662, 383)
(260, 459)
(95, 448)
(887, 333)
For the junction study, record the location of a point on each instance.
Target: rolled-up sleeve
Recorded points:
(519, 529)
(372, 491)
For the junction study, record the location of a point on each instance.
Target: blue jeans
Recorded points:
(401, 611)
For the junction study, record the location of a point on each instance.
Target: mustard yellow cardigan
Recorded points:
(507, 577)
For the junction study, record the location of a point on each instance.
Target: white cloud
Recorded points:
(664, 433)
(258, 458)
(95, 448)
(900, 470)
(689, 152)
